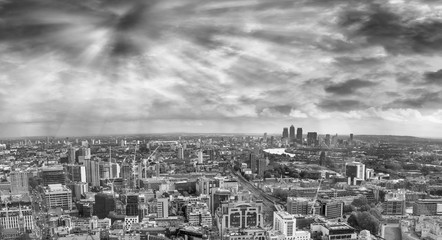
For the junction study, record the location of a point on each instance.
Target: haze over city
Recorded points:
(249, 66)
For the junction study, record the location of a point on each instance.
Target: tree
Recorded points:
(349, 208)
(365, 207)
(353, 220)
(359, 202)
(367, 221)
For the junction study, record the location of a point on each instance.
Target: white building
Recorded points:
(57, 195)
(163, 207)
(284, 228)
(17, 218)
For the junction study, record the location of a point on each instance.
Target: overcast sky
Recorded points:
(89, 67)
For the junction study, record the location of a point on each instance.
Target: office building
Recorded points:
(131, 202)
(57, 195)
(332, 209)
(76, 173)
(217, 198)
(299, 135)
(292, 133)
(233, 216)
(19, 182)
(104, 204)
(394, 203)
(163, 207)
(312, 138)
(53, 175)
(351, 137)
(92, 172)
(299, 205)
(284, 227)
(285, 133)
(428, 207)
(355, 172)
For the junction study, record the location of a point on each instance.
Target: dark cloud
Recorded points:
(397, 34)
(349, 87)
(341, 105)
(357, 61)
(433, 77)
(428, 100)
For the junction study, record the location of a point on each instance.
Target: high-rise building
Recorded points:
(72, 155)
(86, 152)
(131, 202)
(180, 153)
(200, 156)
(253, 161)
(351, 137)
(265, 137)
(299, 135)
(53, 175)
(76, 173)
(163, 207)
(312, 138)
(57, 195)
(355, 172)
(298, 205)
(327, 140)
(93, 172)
(217, 198)
(292, 133)
(285, 133)
(104, 204)
(262, 166)
(19, 182)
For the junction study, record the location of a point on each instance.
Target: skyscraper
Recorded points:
(93, 172)
(71, 155)
(285, 133)
(312, 138)
(299, 135)
(292, 133)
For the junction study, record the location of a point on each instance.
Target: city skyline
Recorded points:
(112, 67)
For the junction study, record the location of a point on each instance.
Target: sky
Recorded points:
(90, 67)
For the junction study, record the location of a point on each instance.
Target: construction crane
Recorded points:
(313, 210)
(148, 159)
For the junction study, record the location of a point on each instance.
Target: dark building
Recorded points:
(351, 137)
(218, 197)
(262, 166)
(285, 133)
(53, 176)
(312, 138)
(299, 135)
(104, 204)
(131, 202)
(253, 162)
(322, 159)
(332, 209)
(292, 133)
